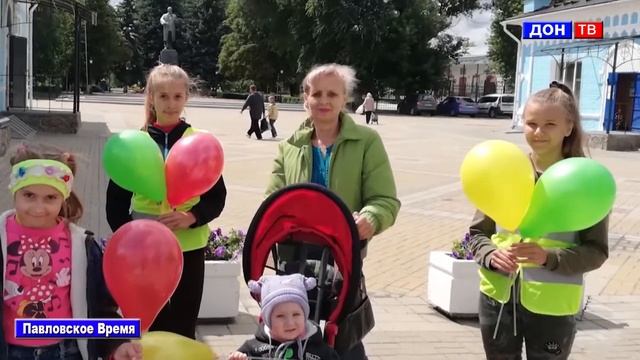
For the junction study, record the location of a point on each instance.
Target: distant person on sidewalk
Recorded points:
(255, 103)
(272, 115)
(369, 105)
(531, 291)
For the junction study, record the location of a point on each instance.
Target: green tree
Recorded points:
(391, 43)
(250, 50)
(502, 48)
(53, 37)
(129, 69)
(204, 27)
(417, 49)
(104, 45)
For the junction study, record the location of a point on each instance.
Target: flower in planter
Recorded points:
(461, 249)
(221, 246)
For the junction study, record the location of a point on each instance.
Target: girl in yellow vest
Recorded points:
(537, 304)
(166, 92)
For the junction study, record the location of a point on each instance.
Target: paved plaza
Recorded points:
(426, 153)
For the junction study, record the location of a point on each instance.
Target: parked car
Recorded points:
(417, 104)
(455, 105)
(496, 105)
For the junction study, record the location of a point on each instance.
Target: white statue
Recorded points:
(168, 21)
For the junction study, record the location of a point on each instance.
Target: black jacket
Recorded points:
(208, 208)
(255, 103)
(315, 349)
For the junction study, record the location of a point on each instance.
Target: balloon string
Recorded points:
(512, 289)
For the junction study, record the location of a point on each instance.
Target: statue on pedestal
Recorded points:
(169, 55)
(168, 21)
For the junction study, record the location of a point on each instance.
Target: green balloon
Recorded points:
(571, 195)
(133, 161)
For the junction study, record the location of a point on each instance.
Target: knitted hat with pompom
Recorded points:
(278, 289)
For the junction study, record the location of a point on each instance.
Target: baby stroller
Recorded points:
(307, 229)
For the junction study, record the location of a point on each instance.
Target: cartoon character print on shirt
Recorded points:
(37, 285)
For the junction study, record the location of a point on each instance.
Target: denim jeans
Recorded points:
(64, 350)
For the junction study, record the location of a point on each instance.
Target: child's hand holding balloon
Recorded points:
(529, 253)
(504, 260)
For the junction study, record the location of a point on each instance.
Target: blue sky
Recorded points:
(475, 27)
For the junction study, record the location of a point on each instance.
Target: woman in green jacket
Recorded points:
(331, 150)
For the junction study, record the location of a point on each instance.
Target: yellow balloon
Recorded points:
(498, 179)
(161, 345)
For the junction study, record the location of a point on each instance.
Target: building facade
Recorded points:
(474, 77)
(603, 73)
(16, 46)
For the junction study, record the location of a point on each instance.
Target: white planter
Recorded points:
(453, 285)
(221, 290)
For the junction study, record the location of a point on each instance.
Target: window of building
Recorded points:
(572, 76)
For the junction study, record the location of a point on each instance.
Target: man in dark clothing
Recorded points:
(255, 103)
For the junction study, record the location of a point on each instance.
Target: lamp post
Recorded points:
(278, 87)
(127, 77)
(87, 75)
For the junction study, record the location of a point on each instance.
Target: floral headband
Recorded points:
(41, 172)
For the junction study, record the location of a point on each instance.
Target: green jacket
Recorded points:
(359, 172)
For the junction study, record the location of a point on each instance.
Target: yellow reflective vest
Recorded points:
(541, 291)
(190, 238)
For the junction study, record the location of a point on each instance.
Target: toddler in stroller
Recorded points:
(307, 229)
(286, 332)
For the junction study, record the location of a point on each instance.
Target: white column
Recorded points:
(30, 56)
(530, 82)
(515, 118)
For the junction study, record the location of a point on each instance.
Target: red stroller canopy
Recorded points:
(307, 213)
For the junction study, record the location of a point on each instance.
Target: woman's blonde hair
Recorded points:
(72, 207)
(560, 94)
(344, 72)
(157, 75)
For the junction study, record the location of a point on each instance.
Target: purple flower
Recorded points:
(224, 246)
(219, 251)
(49, 170)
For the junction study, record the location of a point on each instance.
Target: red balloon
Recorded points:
(142, 267)
(193, 166)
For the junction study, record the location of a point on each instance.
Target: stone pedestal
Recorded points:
(169, 56)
